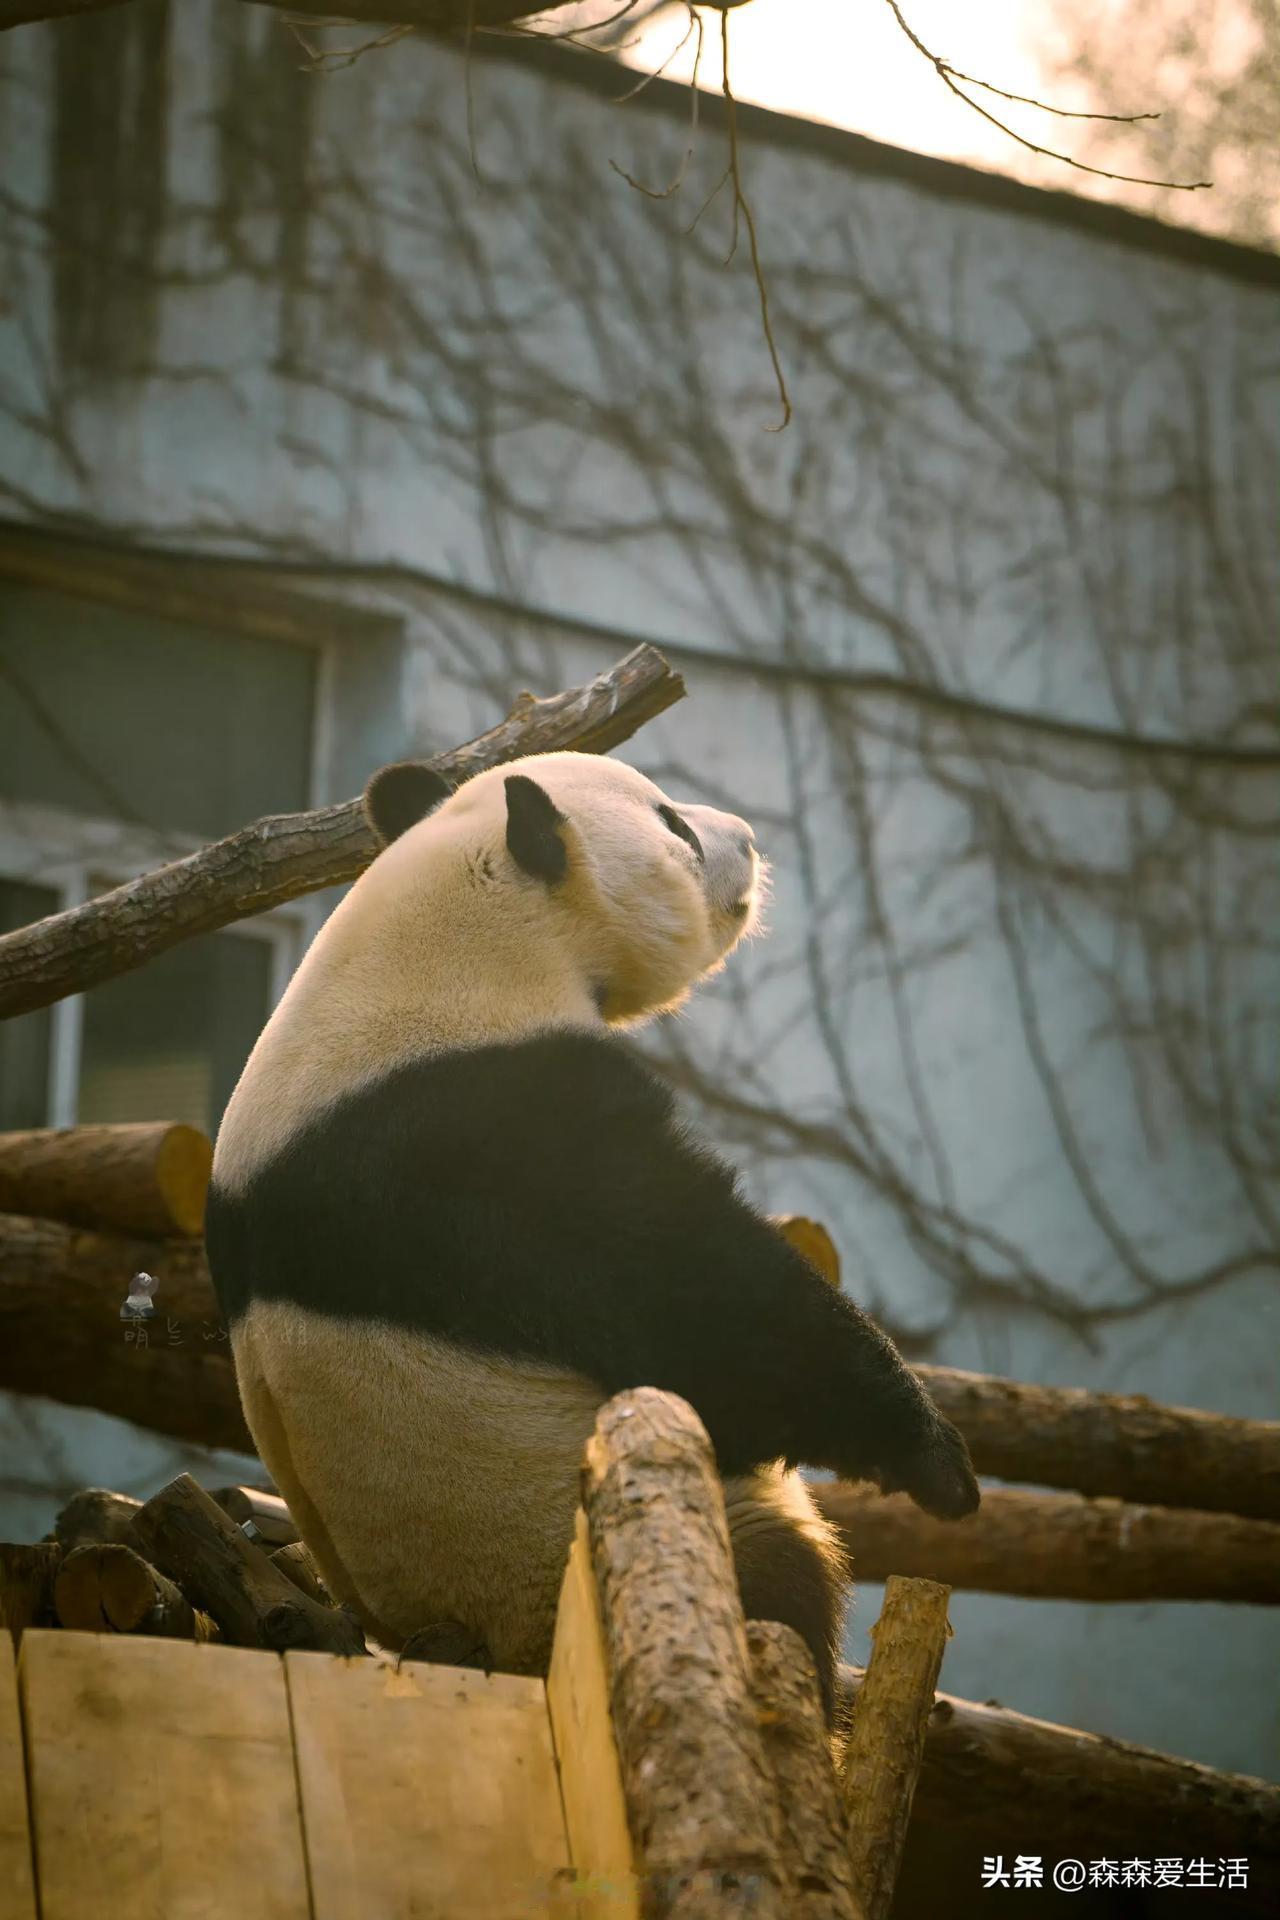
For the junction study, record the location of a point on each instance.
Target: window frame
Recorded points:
(286, 930)
(285, 606)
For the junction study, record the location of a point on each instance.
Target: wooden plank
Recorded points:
(17, 1888)
(162, 1780)
(603, 1885)
(428, 1793)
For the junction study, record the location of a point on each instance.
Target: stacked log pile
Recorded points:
(185, 1564)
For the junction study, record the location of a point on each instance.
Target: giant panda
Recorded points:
(452, 1212)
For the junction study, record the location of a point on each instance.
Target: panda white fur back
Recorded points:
(450, 1215)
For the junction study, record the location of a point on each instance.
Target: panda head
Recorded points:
(636, 895)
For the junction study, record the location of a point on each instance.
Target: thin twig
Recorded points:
(725, 176)
(665, 193)
(336, 59)
(468, 79)
(951, 75)
(528, 29)
(742, 206)
(1046, 106)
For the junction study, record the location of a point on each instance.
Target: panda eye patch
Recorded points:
(681, 829)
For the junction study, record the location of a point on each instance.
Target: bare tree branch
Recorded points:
(279, 858)
(432, 16)
(1058, 1546)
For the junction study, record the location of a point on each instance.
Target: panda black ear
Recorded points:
(397, 797)
(533, 830)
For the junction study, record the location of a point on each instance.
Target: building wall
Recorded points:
(981, 641)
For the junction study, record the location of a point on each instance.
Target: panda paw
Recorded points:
(447, 1643)
(934, 1468)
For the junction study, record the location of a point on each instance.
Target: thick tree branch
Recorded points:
(797, 1747)
(987, 1769)
(148, 1177)
(277, 859)
(433, 16)
(1058, 1546)
(1119, 1444)
(61, 1291)
(699, 1792)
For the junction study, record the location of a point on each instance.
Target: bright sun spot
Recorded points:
(848, 62)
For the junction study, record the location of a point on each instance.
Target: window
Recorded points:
(125, 740)
(25, 1043)
(171, 1039)
(152, 722)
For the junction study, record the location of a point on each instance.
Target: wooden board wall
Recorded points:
(428, 1791)
(591, 1785)
(17, 1889)
(172, 1781)
(162, 1780)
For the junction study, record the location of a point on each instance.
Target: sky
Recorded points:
(848, 62)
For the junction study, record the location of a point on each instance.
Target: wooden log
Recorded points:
(459, 17)
(150, 1179)
(814, 1846)
(1122, 1445)
(190, 1538)
(111, 1589)
(26, 1585)
(812, 1241)
(700, 1799)
(277, 859)
(886, 1739)
(95, 1518)
(1060, 1546)
(296, 1564)
(61, 1290)
(265, 1512)
(989, 1769)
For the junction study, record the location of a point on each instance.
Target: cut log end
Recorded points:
(109, 1588)
(197, 1545)
(27, 1575)
(150, 1178)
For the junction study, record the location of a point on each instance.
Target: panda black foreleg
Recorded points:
(781, 1365)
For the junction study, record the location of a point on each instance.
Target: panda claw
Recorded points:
(941, 1480)
(936, 1472)
(447, 1643)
